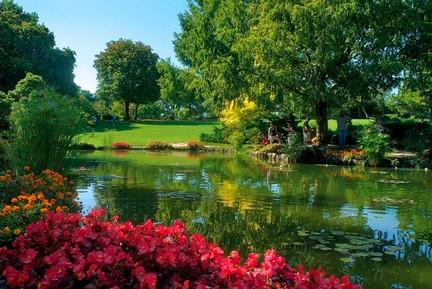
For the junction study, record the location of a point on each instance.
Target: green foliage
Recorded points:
(44, 129)
(375, 144)
(180, 90)
(158, 146)
(410, 104)
(31, 84)
(5, 160)
(272, 148)
(28, 46)
(219, 135)
(126, 71)
(5, 109)
(294, 148)
(307, 57)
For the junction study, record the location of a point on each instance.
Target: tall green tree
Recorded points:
(312, 56)
(28, 46)
(126, 70)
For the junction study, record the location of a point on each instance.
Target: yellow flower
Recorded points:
(59, 210)
(17, 231)
(44, 210)
(40, 196)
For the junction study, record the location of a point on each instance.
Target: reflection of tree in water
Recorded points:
(250, 206)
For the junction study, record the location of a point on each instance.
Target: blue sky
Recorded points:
(86, 26)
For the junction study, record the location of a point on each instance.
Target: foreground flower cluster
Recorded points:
(71, 251)
(26, 198)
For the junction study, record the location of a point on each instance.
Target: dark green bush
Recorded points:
(219, 135)
(84, 146)
(409, 134)
(5, 161)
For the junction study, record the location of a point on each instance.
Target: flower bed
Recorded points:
(26, 198)
(71, 251)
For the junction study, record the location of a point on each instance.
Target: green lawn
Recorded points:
(332, 125)
(140, 133)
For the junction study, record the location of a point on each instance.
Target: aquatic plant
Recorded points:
(120, 145)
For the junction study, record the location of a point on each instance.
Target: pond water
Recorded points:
(374, 224)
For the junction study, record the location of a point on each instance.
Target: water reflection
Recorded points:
(372, 224)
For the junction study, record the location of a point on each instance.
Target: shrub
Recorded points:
(195, 145)
(5, 161)
(70, 251)
(219, 135)
(45, 127)
(375, 144)
(294, 148)
(158, 146)
(272, 148)
(120, 145)
(26, 198)
(5, 109)
(84, 146)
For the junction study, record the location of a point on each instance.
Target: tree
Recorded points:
(126, 70)
(310, 56)
(179, 88)
(28, 46)
(30, 84)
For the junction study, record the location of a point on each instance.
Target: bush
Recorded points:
(45, 127)
(195, 145)
(294, 148)
(5, 161)
(70, 251)
(5, 109)
(120, 146)
(26, 198)
(409, 134)
(375, 144)
(158, 146)
(219, 135)
(272, 148)
(84, 146)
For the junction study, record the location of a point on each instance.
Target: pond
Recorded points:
(374, 224)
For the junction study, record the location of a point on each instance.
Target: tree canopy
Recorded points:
(28, 46)
(126, 70)
(311, 57)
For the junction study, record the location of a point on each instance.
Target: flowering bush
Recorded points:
(26, 198)
(195, 145)
(120, 145)
(71, 251)
(158, 146)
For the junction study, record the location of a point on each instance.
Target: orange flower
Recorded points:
(40, 196)
(27, 207)
(26, 168)
(44, 210)
(59, 210)
(14, 200)
(17, 231)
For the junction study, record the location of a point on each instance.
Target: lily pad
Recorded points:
(375, 254)
(347, 260)
(360, 254)
(303, 233)
(297, 244)
(376, 259)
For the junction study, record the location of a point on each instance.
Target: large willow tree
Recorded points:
(308, 56)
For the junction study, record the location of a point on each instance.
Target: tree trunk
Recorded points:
(136, 110)
(127, 115)
(322, 122)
